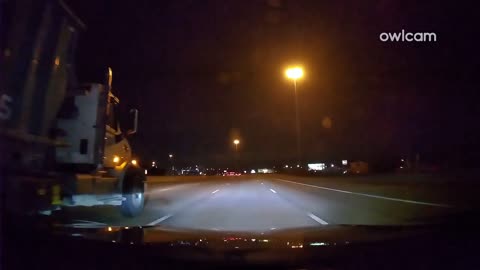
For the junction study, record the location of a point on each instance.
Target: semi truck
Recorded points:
(61, 141)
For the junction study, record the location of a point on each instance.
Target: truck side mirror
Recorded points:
(135, 122)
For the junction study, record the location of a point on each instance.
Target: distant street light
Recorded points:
(295, 73)
(236, 142)
(170, 157)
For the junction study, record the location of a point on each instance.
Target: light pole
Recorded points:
(236, 142)
(295, 73)
(170, 157)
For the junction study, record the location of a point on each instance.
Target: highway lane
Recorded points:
(244, 205)
(259, 203)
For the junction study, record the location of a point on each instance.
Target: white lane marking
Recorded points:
(273, 191)
(317, 219)
(215, 191)
(83, 225)
(90, 222)
(163, 189)
(370, 195)
(157, 221)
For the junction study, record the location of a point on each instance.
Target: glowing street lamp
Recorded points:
(295, 73)
(236, 142)
(170, 157)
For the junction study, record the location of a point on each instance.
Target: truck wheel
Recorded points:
(134, 197)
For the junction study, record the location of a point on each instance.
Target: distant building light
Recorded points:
(298, 165)
(318, 244)
(344, 162)
(244, 171)
(286, 166)
(146, 172)
(316, 166)
(252, 171)
(332, 165)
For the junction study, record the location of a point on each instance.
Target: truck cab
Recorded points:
(89, 128)
(93, 145)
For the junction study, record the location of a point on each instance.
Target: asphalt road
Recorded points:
(267, 202)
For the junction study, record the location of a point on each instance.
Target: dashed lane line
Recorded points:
(157, 221)
(317, 219)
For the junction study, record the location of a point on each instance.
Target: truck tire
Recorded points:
(134, 194)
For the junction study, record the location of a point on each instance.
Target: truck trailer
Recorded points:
(61, 141)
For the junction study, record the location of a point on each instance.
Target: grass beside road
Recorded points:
(460, 191)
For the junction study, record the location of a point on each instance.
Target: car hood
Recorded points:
(273, 246)
(298, 238)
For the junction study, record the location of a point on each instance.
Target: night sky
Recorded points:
(204, 72)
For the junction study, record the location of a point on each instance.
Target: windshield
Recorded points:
(243, 116)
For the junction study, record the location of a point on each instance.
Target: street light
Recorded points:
(170, 157)
(295, 73)
(236, 142)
